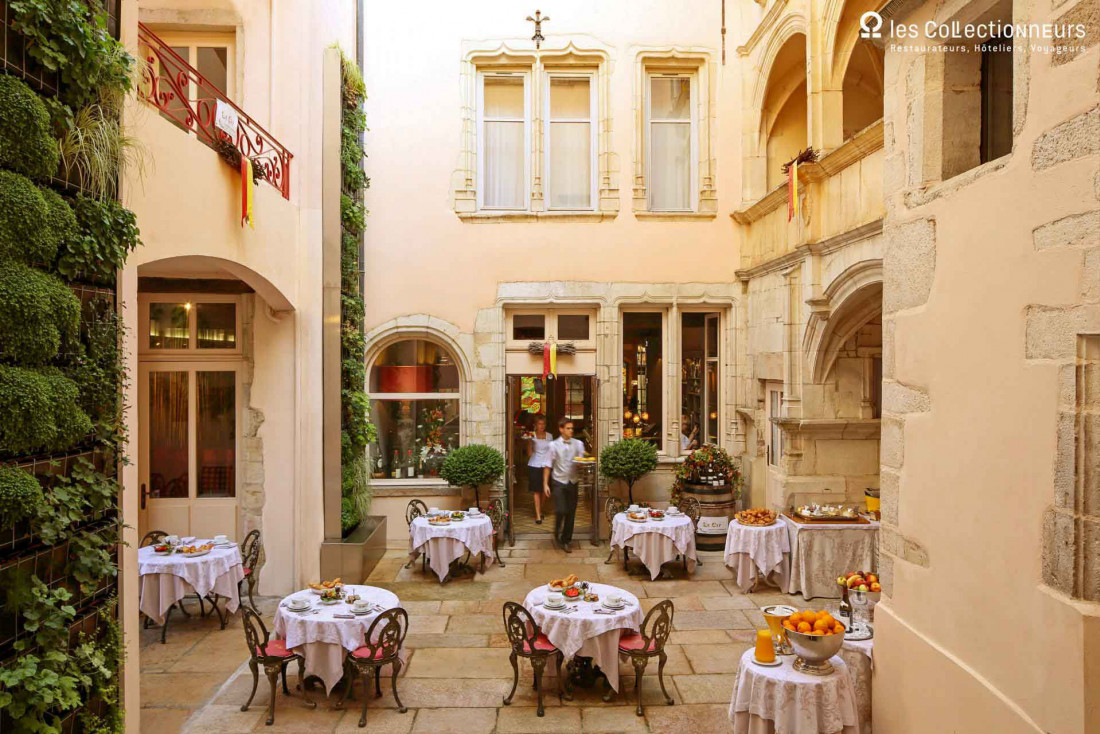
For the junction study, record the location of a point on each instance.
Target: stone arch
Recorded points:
(849, 302)
(205, 266)
(783, 125)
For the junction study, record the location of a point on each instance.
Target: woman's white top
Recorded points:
(540, 451)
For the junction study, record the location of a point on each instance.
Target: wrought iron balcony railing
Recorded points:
(184, 96)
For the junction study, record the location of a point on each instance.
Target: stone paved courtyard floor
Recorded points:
(457, 669)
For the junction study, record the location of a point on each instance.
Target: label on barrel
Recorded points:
(713, 525)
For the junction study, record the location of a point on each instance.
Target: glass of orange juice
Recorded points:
(774, 616)
(765, 649)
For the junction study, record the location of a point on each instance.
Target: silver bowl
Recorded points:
(813, 651)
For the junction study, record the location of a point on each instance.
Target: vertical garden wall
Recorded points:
(63, 238)
(357, 430)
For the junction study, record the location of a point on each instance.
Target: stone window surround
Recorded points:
(538, 64)
(442, 334)
(692, 62)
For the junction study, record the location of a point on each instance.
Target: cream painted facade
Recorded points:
(880, 331)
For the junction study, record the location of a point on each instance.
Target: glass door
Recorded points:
(188, 444)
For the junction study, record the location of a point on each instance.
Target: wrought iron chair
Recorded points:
(153, 537)
(251, 547)
(528, 641)
(383, 644)
(650, 643)
(416, 508)
(611, 508)
(273, 656)
(690, 507)
(497, 516)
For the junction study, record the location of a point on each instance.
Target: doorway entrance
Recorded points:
(190, 369)
(566, 396)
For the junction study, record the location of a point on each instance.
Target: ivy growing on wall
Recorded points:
(61, 372)
(357, 429)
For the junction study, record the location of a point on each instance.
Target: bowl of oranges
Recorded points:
(815, 637)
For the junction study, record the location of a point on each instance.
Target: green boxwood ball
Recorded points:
(38, 315)
(27, 144)
(23, 212)
(40, 411)
(20, 496)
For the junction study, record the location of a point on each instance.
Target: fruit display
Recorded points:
(813, 623)
(331, 594)
(458, 516)
(756, 516)
(572, 593)
(860, 581)
(559, 584)
(657, 514)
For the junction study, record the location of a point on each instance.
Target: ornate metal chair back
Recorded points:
(521, 628)
(690, 507)
(495, 511)
(255, 633)
(250, 550)
(416, 509)
(153, 537)
(657, 626)
(386, 634)
(613, 507)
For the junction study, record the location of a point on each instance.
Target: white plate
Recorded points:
(162, 553)
(614, 609)
(554, 608)
(363, 613)
(194, 555)
(772, 664)
(292, 608)
(330, 602)
(637, 521)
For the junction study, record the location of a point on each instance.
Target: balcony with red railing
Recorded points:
(187, 99)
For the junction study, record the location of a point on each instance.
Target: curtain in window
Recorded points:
(670, 147)
(570, 165)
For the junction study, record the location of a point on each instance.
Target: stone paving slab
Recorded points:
(458, 670)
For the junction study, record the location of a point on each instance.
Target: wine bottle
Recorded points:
(395, 466)
(410, 466)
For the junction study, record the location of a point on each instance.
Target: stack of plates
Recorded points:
(290, 606)
(607, 605)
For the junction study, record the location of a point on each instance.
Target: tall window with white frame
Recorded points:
(503, 115)
(671, 133)
(570, 142)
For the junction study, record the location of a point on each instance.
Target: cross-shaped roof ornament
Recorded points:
(538, 20)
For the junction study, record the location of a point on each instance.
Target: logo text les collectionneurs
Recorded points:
(871, 24)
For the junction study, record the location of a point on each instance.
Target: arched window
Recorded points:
(414, 389)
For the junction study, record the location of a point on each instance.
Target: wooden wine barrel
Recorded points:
(716, 508)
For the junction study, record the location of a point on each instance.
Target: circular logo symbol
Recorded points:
(870, 23)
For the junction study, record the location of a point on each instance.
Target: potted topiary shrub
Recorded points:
(628, 460)
(472, 466)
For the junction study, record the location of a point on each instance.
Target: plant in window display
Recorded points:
(429, 440)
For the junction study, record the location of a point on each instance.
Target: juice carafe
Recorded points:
(765, 649)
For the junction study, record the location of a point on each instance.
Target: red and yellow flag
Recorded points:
(792, 190)
(247, 192)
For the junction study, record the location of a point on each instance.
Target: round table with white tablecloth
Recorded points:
(324, 632)
(857, 655)
(781, 700)
(167, 578)
(448, 543)
(822, 551)
(587, 632)
(656, 542)
(759, 551)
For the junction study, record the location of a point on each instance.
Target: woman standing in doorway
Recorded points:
(538, 453)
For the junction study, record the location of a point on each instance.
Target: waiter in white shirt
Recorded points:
(560, 479)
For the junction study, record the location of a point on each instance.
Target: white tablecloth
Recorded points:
(759, 551)
(322, 638)
(656, 542)
(585, 632)
(447, 543)
(820, 553)
(167, 579)
(780, 699)
(858, 657)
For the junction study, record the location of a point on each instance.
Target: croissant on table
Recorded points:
(567, 581)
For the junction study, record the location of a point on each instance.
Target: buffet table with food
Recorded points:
(322, 622)
(586, 619)
(824, 541)
(178, 567)
(655, 536)
(758, 548)
(794, 680)
(448, 535)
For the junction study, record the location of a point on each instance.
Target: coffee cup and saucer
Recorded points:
(554, 600)
(298, 604)
(361, 606)
(613, 601)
